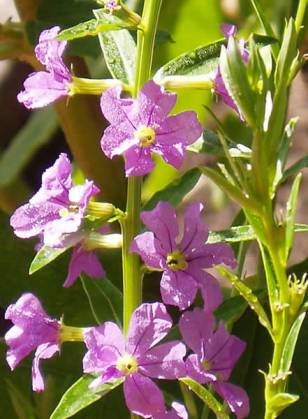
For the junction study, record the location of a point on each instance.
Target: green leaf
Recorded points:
(281, 401)
(38, 130)
(232, 235)
(207, 397)
(295, 168)
(209, 143)
(291, 213)
(249, 296)
(79, 396)
(262, 18)
(92, 27)
(119, 49)
(231, 309)
(176, 190)
(200, 61)
(289, 348)
(105, 299)
(43, 257)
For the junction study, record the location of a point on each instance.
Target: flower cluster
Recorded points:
(58, 214)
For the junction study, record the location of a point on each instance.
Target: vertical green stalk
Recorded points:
(300, 14)
(132, 278)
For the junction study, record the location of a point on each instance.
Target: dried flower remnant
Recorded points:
(136, 358)
(44, 87)
(33, 330)
(142, 126)
(215, 355)
(184, 261)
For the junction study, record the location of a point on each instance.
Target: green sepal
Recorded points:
(206, 396)
(249, 296)
(45, 256)
(281, 401)
(79, 396)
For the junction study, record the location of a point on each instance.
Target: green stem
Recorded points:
(132, 277)
(300, 14)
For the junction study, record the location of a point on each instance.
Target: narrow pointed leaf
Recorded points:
(295, 168)
(281, 401)
(207, 397)
(79, 396)
(43, 257)
(249, 296)
(289, 348)
(291, 213)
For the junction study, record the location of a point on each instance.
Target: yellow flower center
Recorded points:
(145, 135)
(176, 261)
(65, 212)
(127, 364)
(206, 365)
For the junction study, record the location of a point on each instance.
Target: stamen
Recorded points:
(176, 261)
(127, 364)
(146, 136)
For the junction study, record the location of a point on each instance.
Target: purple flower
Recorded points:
(183, 261)
(219, 84)
(178, 411)
(56, 213)
(111, 5)
(142, 126)
(215, 354)
(44, 87)
(136, 358)
(57, 208)
(33, 329)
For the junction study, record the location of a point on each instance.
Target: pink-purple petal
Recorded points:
(162, 221)
(149, 249)
(115, 141)
(196, 327)
(211, 292)
(182, 128)
(83, 261)
(178, 288)
(44, 351)
(236, 398)
(164, 361)
(149, 324)
(138, 161)
(153, 103)
(177, 411)
(143, 397)
(172, 154)
(195, 230)
(195, 370)
(116, 110)
(228, 30)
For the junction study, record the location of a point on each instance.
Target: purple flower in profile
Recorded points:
(33, 329)
(215, 355)
(56, 213)
(44, 87)
(184, 261)
(58, 208)
(219, 84)
(111, 5)
(142, 126)
(136, 358)
(177, 411)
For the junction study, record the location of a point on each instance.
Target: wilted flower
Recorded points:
(183, 261)
(44, 87)
(33, 330)
(142, 126)
(219, 84)
(215, 355)
(136, 357)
